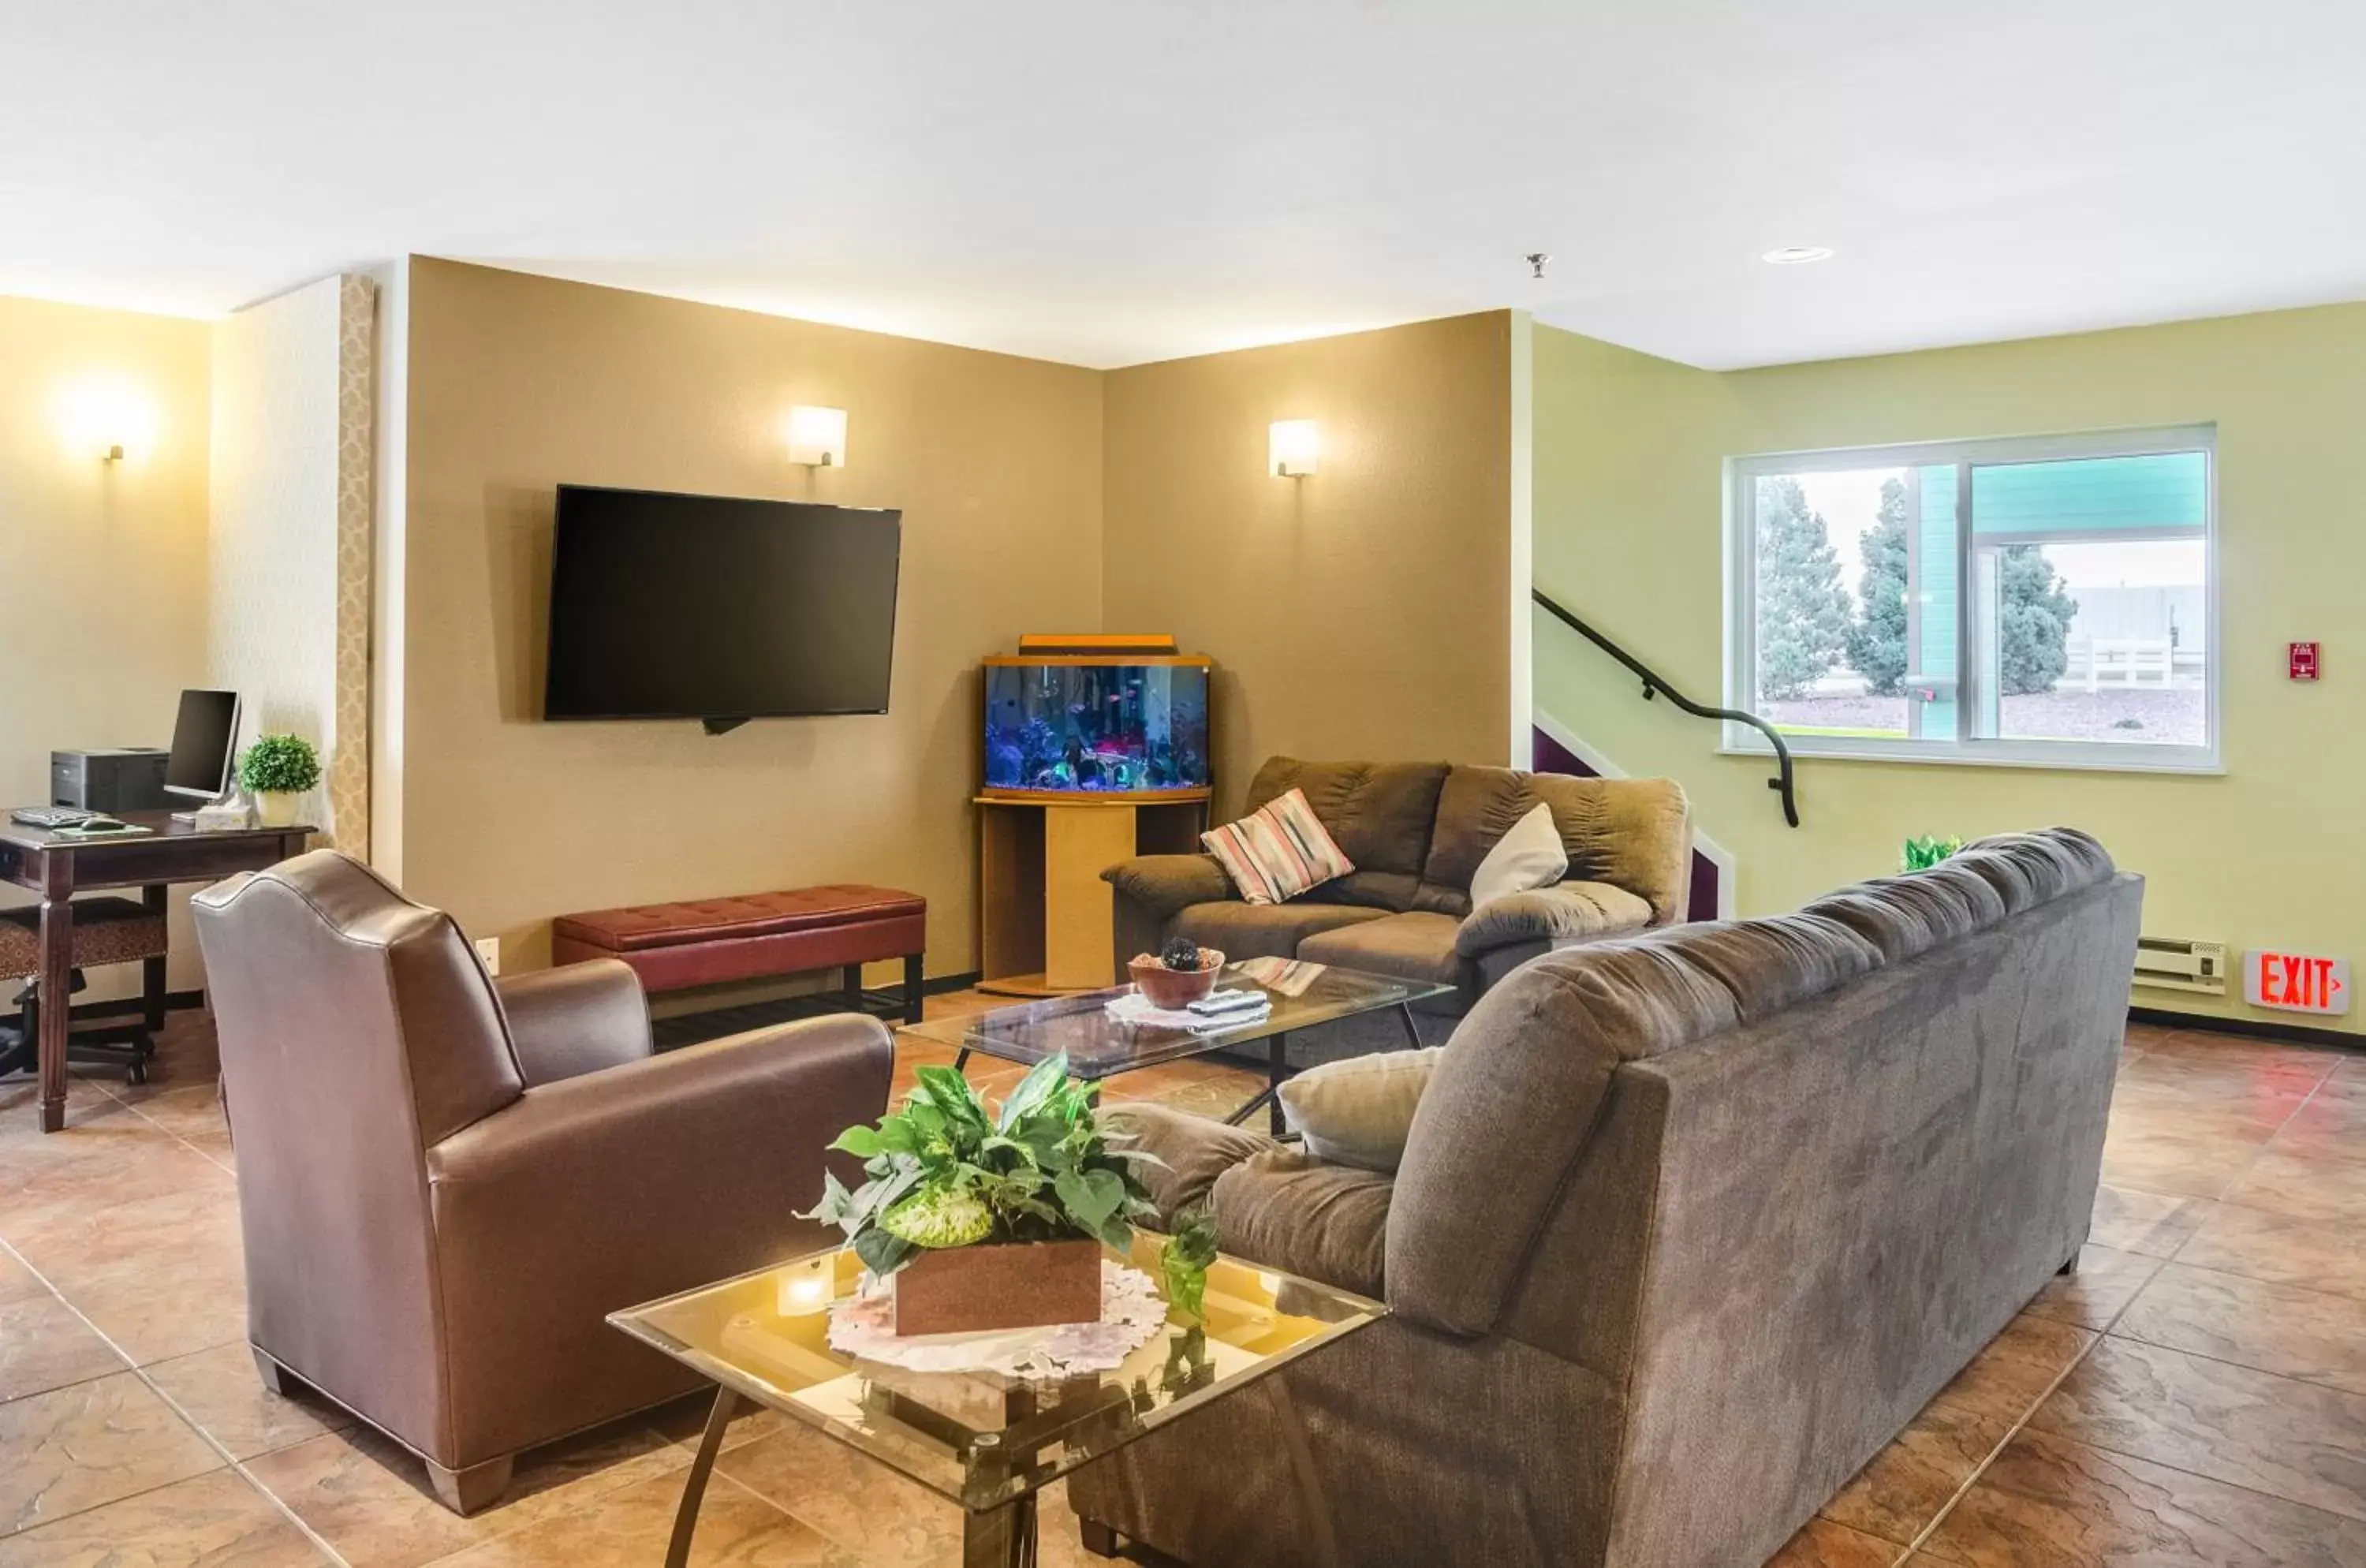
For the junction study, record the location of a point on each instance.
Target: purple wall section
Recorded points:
(1552, 757)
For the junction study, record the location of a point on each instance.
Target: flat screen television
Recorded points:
(700, 606)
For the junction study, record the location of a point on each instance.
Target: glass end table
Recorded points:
(987, 1441)
(1099, 1046)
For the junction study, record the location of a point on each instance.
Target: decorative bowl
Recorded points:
(1169, 990)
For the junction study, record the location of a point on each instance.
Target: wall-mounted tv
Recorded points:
(700, 606)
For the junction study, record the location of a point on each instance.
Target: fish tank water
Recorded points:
(1072, 727)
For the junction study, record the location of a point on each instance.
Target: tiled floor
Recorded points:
(2196, 1394)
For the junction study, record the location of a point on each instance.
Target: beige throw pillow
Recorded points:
(1528, 857)
(1357, 1111)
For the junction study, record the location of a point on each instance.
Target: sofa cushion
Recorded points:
(1632, 833)
(1899, 927)
(1276, 852)
(1357, 1112)
(1774, 962)
(2031, 868)
(1379, 812)
(1566, 913)
(1955, 899)
(1415, 945)
(1387, 890)
(1265, 930)
(1290, 1211)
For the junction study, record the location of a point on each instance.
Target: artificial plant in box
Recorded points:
(946, 1178)
(1925, 852)
(278, 770)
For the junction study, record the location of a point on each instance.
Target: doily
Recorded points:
(1135, 1008)
(1131, 1311)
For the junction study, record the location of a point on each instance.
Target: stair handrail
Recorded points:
(1654, 684)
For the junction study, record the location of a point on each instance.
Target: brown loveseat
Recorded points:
(1416, 833)
(446, 1182)
(1688, 1227)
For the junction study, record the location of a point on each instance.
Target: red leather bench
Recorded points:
(674, 946)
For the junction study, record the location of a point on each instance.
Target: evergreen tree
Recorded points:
(1803, 611)
(2034, 643)
(1877, 644)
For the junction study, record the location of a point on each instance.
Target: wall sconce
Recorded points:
(817, 436)
(1289, 448)
(105, 417)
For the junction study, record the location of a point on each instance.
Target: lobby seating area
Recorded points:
(1320, 786)
(2189, 1395)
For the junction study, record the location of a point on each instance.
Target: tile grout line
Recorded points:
(1923, 1536)
(230, 1462)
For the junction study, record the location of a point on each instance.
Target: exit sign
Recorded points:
(2296, 982)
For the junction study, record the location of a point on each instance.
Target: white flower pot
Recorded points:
(277, 807)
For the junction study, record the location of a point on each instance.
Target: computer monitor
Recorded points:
(204, 736)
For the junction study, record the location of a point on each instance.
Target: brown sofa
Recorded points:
(446, 1182)
(1688, 1227)
(1416, 833)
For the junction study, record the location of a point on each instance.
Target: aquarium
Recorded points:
(1060, 727)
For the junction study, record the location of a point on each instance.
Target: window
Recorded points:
(2048, 602)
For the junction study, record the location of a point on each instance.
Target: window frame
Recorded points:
(1741, 475)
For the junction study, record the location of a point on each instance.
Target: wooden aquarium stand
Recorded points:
(1046, 914)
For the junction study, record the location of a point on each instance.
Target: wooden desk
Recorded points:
(57, 868)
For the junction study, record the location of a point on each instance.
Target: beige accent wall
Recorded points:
(516, 384)
(1362, 611)
(104, 621)
(288, 617)
(1630, 453)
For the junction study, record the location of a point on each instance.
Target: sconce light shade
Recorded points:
(1290, 448)
(817, 436)
(106, 419)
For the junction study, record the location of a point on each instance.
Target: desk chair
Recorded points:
(106, 930)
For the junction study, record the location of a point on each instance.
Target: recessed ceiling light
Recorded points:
(1797, 255)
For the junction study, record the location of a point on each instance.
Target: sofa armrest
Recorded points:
(1165, 886)
(600, 1191)
(1567, 912)
(575, 1019)
(1192, 1151)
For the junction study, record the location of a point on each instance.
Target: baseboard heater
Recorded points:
(2174, 963)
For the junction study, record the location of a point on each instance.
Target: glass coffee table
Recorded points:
(987, 1441)
(1099, 1046)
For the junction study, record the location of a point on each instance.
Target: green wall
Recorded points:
(1629, 483)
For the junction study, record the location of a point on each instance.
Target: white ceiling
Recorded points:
(1112, 181)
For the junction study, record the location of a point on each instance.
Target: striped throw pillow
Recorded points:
(1278, 851)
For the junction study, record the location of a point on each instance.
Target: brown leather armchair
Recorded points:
(446, 1182)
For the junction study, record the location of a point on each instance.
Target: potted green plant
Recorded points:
(279, 771)
(989, 1221)
(1923, 852)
